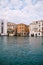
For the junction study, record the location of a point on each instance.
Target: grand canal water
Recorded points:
(21, 50)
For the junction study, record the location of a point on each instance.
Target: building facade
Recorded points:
(22, 30)
(28, 29)
(3, 27)
(36, 28)
(42, 27)
(11, 29)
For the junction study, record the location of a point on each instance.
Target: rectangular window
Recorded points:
(39, 30)
(36, 22)
(39, 25)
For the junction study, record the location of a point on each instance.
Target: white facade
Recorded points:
(36, 28)
(3, 27)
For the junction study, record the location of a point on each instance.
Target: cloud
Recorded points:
(21, 10)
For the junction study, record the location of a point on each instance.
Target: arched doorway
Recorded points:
(32, 35)
(36, 34)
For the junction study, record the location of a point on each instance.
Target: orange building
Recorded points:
(11, 28)
(22, 30)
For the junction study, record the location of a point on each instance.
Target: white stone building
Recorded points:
(36, 28)
(3, 27)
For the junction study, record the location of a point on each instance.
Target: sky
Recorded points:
(21, 11)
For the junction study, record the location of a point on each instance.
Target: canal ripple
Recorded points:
(21, 50)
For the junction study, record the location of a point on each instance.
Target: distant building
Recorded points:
(11, 28)
(22, 30)
(3, 27)
(36, 28)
